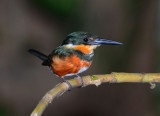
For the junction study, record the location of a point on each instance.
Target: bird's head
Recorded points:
(85, 42)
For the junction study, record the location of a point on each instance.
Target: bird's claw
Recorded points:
(82, 83)
(70, 86)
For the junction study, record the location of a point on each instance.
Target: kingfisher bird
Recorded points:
(74, 55)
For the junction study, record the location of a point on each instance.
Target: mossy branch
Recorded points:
(95, 80)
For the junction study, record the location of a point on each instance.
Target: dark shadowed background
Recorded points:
(43, 24)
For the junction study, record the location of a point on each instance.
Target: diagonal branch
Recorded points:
(95, 80)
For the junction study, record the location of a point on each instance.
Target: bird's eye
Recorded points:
(85, 39)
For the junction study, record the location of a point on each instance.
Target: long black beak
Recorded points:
(99, 41)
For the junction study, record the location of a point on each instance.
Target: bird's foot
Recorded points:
(70, 86)
(80, 78)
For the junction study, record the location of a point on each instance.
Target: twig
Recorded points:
(151, 78)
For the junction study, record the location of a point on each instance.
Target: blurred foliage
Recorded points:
(61, 8)
(157, 89)
(133, 7)
(66, 11)
(4, 111)
(157, 98)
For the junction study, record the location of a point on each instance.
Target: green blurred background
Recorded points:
(43, 24)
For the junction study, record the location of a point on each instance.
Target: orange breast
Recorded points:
(67, 65)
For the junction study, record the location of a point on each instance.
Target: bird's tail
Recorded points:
(41, 56)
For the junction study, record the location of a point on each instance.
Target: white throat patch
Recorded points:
(69, 46)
